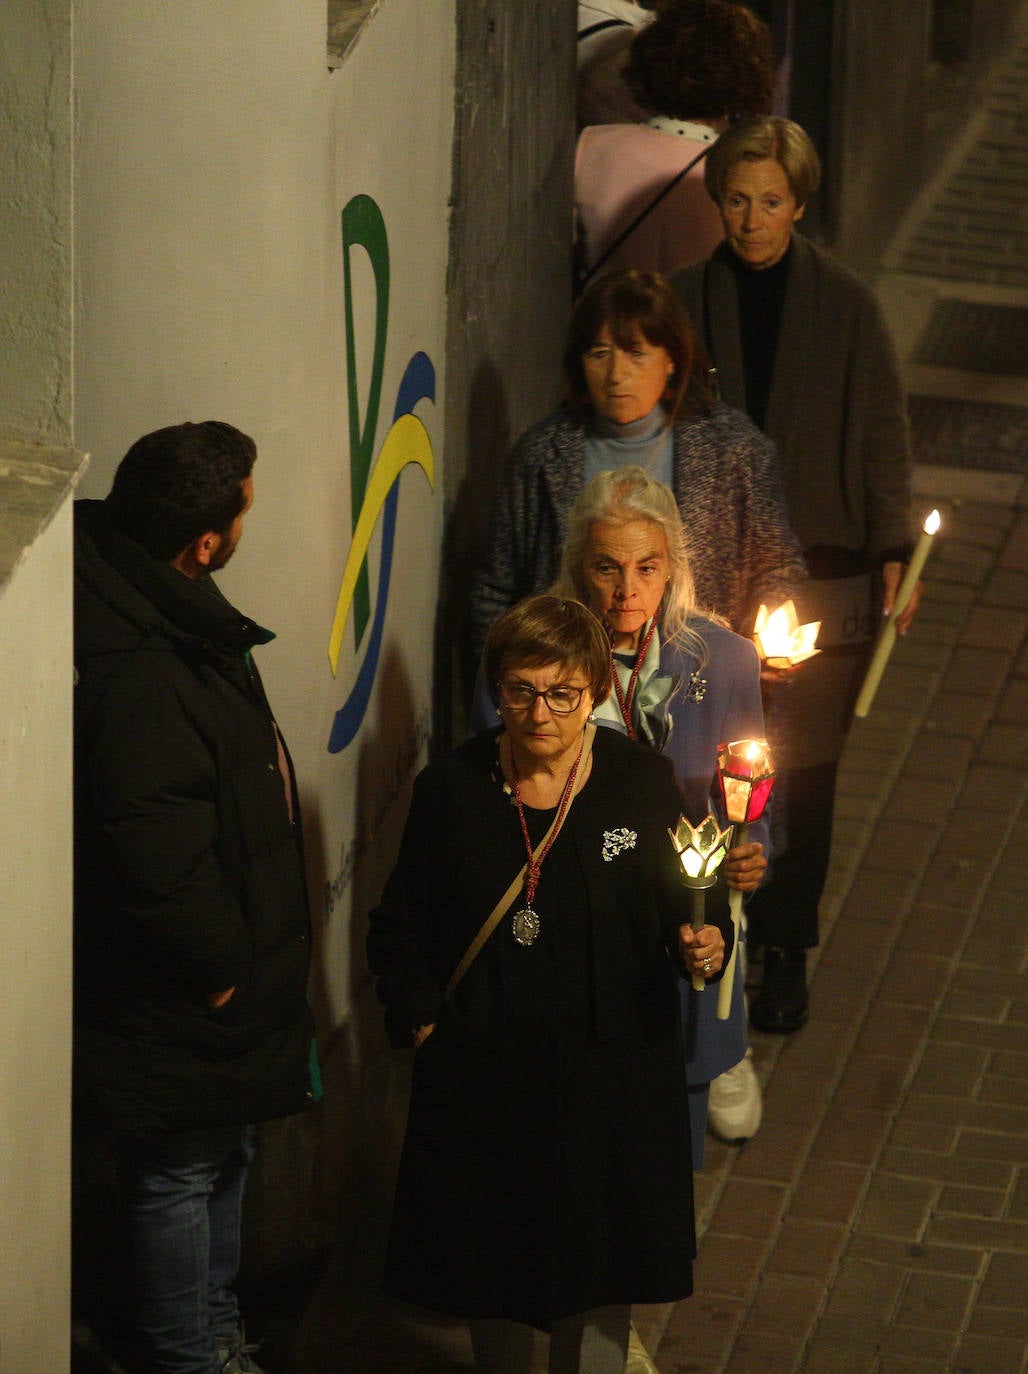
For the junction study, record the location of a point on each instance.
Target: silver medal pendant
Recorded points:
(526, 926)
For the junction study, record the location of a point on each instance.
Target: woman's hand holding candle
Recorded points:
(745, 866)
(702, 951)
(902, 605)
(892, 576)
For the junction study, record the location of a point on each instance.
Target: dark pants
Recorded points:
(784, 911)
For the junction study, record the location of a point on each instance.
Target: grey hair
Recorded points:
(619, 497)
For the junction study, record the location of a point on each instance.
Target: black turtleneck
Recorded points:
(761, 296)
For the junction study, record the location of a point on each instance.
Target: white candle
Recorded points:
(727, 984)
(747, 773)
(887, 638)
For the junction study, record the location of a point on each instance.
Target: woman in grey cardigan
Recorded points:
(637, 393)
(800, 344)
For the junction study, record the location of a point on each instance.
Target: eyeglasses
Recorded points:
(519, 696)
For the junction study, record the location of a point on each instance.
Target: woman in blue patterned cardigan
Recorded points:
(639, 392)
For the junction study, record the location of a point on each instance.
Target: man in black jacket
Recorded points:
(192, 934)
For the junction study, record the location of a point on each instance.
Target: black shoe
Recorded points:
(782, 1005)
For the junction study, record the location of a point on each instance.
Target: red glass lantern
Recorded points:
(747, 773)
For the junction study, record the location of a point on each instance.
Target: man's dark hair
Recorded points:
(180, 482)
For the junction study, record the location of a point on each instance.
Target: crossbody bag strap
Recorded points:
(706, 339)
(612, 248)
(600, 25)
(503, 905)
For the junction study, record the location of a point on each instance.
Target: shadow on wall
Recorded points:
(348, 1162)
(488, 441)
(341, 1158)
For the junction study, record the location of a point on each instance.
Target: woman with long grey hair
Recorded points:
(682, 683)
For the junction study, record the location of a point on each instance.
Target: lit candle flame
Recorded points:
(932, 523)
(783, 641)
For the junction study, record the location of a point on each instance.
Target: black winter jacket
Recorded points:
(189, 872)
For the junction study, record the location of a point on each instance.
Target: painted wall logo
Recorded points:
(374, 484)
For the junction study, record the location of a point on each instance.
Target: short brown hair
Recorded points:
(631, 302)
(549, 629)
(702, 59)
(754, 140)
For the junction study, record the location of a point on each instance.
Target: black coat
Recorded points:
(188, 868)
(546, 1168)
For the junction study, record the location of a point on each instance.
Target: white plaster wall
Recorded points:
(35, 935)
(213, 161)
(35, 221)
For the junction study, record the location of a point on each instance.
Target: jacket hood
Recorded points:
(125, 599)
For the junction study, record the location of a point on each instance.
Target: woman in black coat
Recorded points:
(544, 1180)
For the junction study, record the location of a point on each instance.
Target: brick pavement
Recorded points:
(974, 228)
(878, 1223)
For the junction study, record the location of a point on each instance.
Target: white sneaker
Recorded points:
(638, 1360)
(736, 1107)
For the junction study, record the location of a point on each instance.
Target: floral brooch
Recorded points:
(697, 688)
(615, 841)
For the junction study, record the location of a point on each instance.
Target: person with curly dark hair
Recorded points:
(639, 192)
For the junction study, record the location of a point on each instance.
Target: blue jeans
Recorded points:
(183, 1196)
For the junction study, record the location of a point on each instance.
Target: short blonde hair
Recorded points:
(754, 140)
